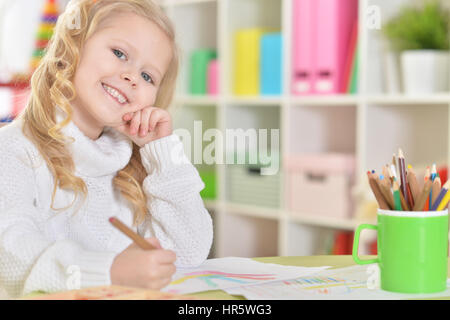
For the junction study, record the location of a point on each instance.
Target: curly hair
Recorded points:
(52, 87)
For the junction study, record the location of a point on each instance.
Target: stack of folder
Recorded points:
(257, 62)
(324, 46)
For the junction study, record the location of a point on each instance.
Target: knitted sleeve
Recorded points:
(30, 261)
(177, 216)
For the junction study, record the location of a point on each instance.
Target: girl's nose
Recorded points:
(130, 79)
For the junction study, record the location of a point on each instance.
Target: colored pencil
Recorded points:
(140, 241)
(385, 188)
(405, 205)
(376, 192)
(441, 195)
(433, 172)
(427, 176)
(412, 182)
(394, 163)
(396, 191)
(394, 178)
(420, 203)
(402, 173)
(427, 173)
(386, 173)
(444, 202)
(393, 172)
(411, 205)
(433, 177)
(435, 190)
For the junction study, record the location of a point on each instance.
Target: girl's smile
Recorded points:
(115, 94)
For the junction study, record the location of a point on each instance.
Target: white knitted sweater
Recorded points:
(40, 248)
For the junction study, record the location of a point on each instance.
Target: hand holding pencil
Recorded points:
(404, 193)
(142, 264)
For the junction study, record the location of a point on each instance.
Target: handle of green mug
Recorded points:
(356, 244)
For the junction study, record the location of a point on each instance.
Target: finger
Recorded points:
(165, 256)
(127, 116)
(145, 116)
(134, 124)
(154, 242)
(165, 282)
(156, 117)
(166, 271)
(158, 284)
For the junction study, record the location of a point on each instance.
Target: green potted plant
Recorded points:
(421, 36)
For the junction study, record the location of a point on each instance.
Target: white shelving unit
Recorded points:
(371, 125)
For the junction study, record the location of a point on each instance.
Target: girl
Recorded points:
(96, 141)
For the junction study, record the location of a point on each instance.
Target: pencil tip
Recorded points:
(111, 219)
(400, 153)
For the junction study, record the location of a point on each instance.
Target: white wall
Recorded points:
(19, 21)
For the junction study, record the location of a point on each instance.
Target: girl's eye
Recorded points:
(146, 77)
(119, 54)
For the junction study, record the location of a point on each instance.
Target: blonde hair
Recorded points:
(52, 87)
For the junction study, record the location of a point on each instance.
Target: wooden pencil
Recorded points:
(435, 190)
(396, 194)
(402, 173)
(394, 178)
(441, 195)
(444, 202)
(140, 241)
(427, 176)
(412, 182)
(393, 172)
(420, 203)
(376, 192)
(394, 163)
(405, 204)
(386, 174)
(411, 205)
(385, 187)
(433, 172)
(427, 173)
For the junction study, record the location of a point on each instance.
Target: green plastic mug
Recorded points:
(412, 250)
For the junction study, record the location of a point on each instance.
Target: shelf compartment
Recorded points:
(245, 236)
(196, 28)
(322, 129)
(421, 131)
(246, 184)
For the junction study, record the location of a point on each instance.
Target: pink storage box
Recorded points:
(320, 184)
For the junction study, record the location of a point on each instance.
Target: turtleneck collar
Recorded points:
(110, 153)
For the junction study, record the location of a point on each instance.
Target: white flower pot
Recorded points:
(425, 71)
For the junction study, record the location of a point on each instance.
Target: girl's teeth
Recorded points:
(115, 94)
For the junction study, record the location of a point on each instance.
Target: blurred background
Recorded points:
(329, 88)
